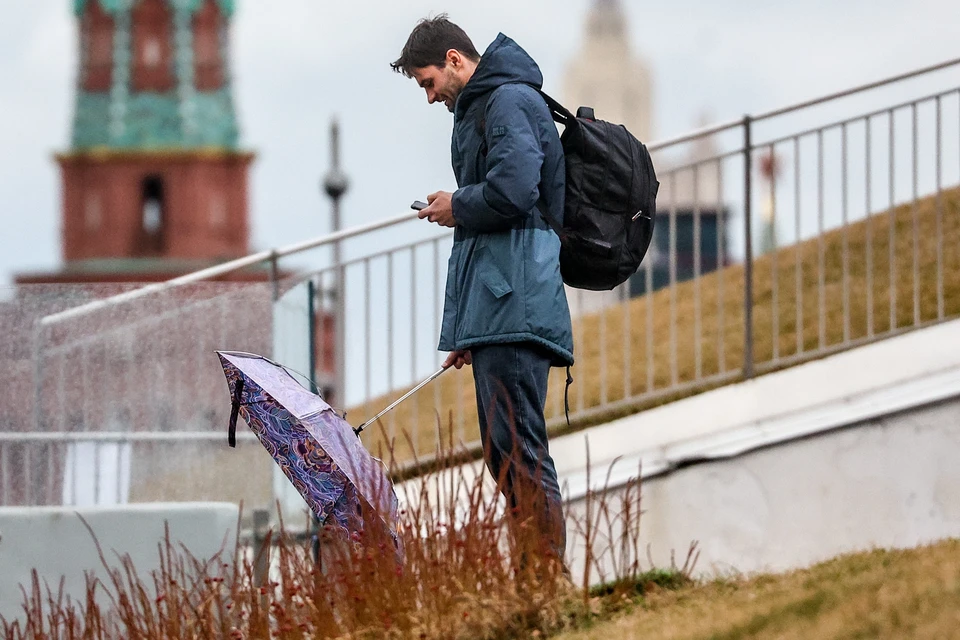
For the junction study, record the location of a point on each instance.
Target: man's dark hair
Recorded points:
(428, 45)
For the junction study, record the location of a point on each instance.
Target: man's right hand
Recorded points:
(457, 359)
(440, 209)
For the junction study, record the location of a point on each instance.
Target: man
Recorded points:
(505, 310)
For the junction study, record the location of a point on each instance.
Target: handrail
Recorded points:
(733, 124)
(695, 134)
(859, 89)
(121, 437)
(273, 255)
(224, 268)
(865, 116)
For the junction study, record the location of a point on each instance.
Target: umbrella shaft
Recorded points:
(399, 401)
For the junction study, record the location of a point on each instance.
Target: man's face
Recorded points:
(440, 83)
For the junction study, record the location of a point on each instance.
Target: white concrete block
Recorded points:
(890, 482)
(54, 541)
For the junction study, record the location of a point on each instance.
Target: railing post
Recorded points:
(261, 551)
(748, 250)
(340, 343)
(274, 276)
(312, 334)
(37, 374)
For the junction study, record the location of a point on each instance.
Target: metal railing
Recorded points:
(781, 237)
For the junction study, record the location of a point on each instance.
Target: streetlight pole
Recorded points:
(335, 184)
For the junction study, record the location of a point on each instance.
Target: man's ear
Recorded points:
(454, 58)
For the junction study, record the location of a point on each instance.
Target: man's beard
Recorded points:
(455, 88)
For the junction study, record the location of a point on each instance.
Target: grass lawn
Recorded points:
(881, 594)
(684, 340)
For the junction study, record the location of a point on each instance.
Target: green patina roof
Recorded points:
(156, 121)
(182, 118)
(113, 6)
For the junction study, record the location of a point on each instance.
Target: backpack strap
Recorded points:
(559, 114)
(483, 101)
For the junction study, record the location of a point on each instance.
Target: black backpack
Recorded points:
(611, 200)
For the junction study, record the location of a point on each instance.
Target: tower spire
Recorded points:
(606, 75)
(607, 21)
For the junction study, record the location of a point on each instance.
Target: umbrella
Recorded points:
(342, 483)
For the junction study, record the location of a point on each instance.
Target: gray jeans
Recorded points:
(511, 383)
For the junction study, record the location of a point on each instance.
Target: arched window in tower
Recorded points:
(208, 29)
(152, 217)
(153, 46)
(96, 32)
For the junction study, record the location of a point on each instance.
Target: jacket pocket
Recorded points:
(493, 280)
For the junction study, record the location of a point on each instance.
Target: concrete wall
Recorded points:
(888, 482)
(855, 450)
(55, 542)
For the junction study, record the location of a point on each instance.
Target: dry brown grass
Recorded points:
(465, 582)
(483, 575)
(882, 594)
(632, 342)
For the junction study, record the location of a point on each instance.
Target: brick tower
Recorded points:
(154, 183)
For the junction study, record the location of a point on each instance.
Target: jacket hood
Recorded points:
(503, 62)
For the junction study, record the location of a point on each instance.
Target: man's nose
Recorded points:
(431, 97)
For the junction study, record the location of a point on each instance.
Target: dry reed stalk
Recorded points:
(460, 578)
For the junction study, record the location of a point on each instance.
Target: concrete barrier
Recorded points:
(888, 482)
(55, 542)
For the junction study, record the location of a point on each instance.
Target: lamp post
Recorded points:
(335, 184)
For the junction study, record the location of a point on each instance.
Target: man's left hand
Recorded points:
(440, 209)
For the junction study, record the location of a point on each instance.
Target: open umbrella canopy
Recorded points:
(341, 482)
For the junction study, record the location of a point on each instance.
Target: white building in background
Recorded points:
(610, 76)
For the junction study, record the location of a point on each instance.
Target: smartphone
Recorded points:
(418, 205)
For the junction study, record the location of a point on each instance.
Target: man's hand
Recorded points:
(440, 210)
(457, 359)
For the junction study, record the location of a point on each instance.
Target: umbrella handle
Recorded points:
(393, 406)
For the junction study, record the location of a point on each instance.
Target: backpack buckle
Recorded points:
(586, 113)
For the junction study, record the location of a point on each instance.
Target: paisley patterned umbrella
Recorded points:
(342, 483)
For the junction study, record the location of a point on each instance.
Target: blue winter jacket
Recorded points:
(503, 277)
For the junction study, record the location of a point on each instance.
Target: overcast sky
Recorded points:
(298, 62)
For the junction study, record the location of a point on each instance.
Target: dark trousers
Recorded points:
(511, 384)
